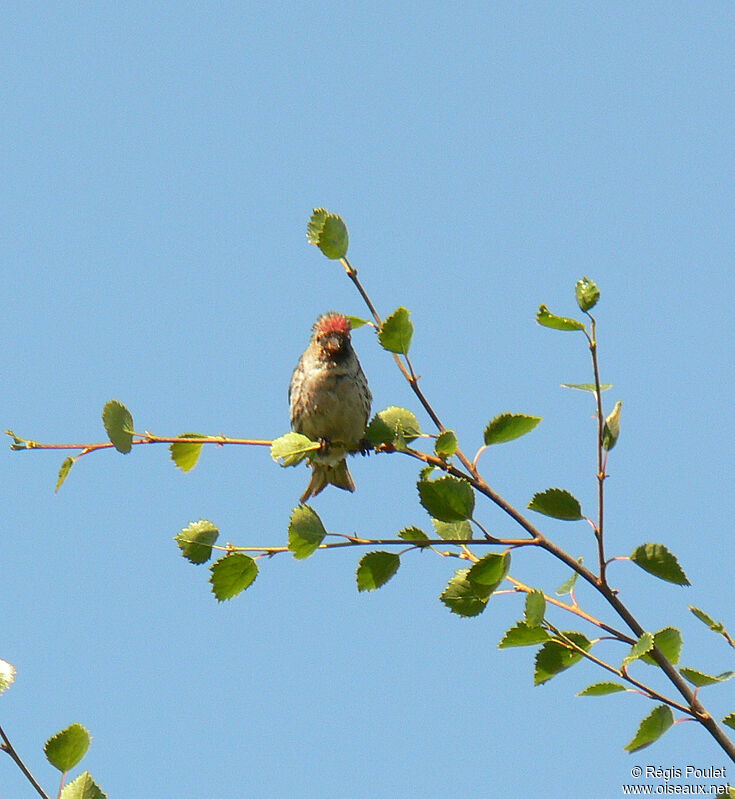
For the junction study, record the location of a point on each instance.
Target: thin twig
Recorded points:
(623, 675)
(601, 464)
(8, 747)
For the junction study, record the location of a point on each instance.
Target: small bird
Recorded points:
(330, 401)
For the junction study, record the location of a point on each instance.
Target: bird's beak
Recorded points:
(334, 344)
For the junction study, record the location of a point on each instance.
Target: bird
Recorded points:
(330, 402)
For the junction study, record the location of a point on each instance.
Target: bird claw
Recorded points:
(364, 447)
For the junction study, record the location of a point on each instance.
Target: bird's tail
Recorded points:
(324, 475)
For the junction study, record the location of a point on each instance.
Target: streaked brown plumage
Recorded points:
(330, 401)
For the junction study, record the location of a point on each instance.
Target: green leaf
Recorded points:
(658, 561)
(547, 319)
(446, 444)
(557, 503)
(387, 425)
(357, 321)
(18, 442)
(653, 726)
(700, 679)
(426, 472)
(83, 787)
(587, 386)
(509, 426)
(65, 749)
(118, 423)
(396, 332)
(587, 294)
(602, 689)
(305, 532)
(611, 430)
(448, 499)
(568, 585)
(523, 634)
(328, 232)
(375, 569)
(556, 656)
(64, 471)
(453, 531)
(196, 540)
(669, 642)
(413, 534)
(729, 721)
(489, 572)
(535, 608)
(463, 597)
(232, 574)
(184, 454)
(7, 675)
(715, 626)
(640, 647)
(292, 448)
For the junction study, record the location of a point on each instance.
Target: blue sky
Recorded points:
(160, 162)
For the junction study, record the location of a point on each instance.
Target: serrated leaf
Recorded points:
(523, 634)
(357, 321)
(65, 749)
(557, 503)
(118, 423)
(388, 424)
(396, 332)
(448, 499)
(7, 675)
(700, 679)
(305, 532)
(547, 319)
(602, 689)
(715, 626)
(587, 294)
(653, 726)
(425, 473)
(535, 608)
(328, 232)
(556, 656)
(463, 597)
(453, 531)
(232, 574)
(489, 572)
(196, 540)
(292, 448)
(658, 561)
(588, 386)
(509, 426)
(446, 444)
(185, 454)
(729, 721)
(83, 787)
(375, 569)
(640, 647)
(64, 471)
(669, 641)
(413, 534)
(611, 429)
